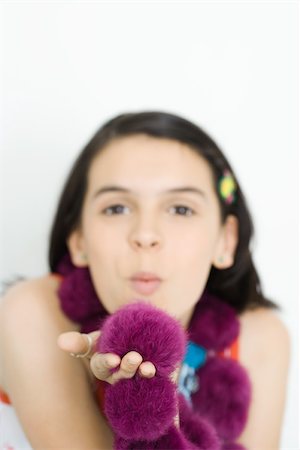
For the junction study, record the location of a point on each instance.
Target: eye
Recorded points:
(115, 210)
(183, 210)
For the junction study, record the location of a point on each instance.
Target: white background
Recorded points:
(229, 66)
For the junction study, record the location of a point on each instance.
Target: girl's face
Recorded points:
(151, 207)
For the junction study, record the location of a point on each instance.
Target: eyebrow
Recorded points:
(114, 188)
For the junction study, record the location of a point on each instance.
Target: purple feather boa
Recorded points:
(220, 406)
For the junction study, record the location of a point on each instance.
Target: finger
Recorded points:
(147, 369)
(129, 365)
(102, 363)
(78, 344)
(175, 375)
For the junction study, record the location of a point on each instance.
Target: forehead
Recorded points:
(142, 160)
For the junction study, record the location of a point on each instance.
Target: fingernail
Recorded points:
(106, 361)
(147, 373)
(98, 362)
(132, 362)
(109, 363)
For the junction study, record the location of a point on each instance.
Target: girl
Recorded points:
(151, 210)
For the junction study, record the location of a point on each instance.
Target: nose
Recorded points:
(145, 235)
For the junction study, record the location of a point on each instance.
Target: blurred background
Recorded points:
(231, 67)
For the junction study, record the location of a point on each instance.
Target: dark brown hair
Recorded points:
(238, 285)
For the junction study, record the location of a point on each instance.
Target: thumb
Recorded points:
(78, 344)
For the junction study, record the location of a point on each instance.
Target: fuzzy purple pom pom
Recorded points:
(214, 324)
(233, 446)
(224, 396)
(196, 428)
(140, 408)
(174, 439)
(143, 328)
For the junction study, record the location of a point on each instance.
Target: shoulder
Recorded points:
(30, 287)
(33, 306)
(262, 331)
(30, 316)
(28, 298)
(264, 351)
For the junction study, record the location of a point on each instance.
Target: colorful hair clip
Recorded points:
(227, 187)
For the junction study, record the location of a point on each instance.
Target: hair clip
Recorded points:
(227, 187)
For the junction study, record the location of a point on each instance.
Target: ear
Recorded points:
(225, 251)
(77, 249)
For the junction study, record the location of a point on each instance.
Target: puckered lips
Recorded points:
(145, 283)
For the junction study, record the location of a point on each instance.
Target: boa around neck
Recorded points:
(214, 393)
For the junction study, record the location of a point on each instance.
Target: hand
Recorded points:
(77, 344)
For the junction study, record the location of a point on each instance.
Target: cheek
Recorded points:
(193, 266)
(102, 265)
(101, 241)
(196, 246)
(103, 246)
(193, 258)
(103, 254)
